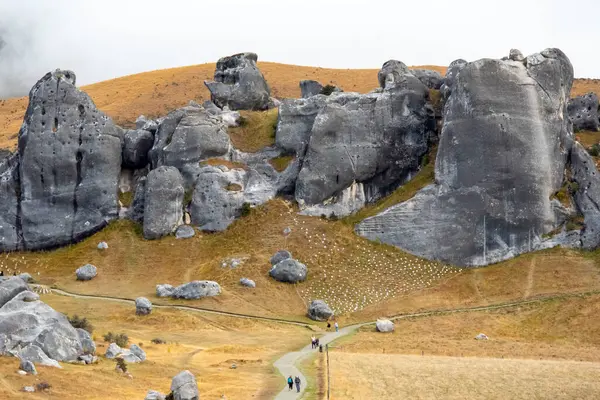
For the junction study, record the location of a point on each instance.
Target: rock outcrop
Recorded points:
(163, 202)
(185, 232)
(184, 387)
(384, 325)
(61, 185)
(309, 88)
(431, 79)
(239, 84)
(318, 310)
(289, 271)
(132, 355)
(280, 256)
(187, 136)
(86, 272)
(136, 145)
(583, 112)
(32, 330)
(587, 195)
(143, 306)
(501, 157)
(190, 290)
(295, 122)
(362, 147)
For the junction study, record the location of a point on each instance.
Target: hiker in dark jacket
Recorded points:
(298, 384)
(290, 382)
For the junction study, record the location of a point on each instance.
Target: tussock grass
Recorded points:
(257, 131)
(281, 163)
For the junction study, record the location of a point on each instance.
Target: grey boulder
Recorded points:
(136, 145)
(86, 272)
(154, 395)
(36, 355)
(164, 290)
(163, 202)
(28, 367)
(247, 282)
(516, 55)
(239, 84)
(185, 232)
(280, 256)
(145, 124)
(318, 310)
(26, 277)
(431, 79)
(295, 122)
(87, 343)
(384, 325)
(138, 352)
(583, 112)
(196, 290)
(501, 157)
(184, 387)
(391, 72)
(289, 271)
(112, 351)
(310, 88)
(143, 306)
(587, 196)
(11, 287)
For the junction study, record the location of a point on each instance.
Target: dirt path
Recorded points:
(286, 365)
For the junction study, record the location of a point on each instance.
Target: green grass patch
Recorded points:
(126, 198)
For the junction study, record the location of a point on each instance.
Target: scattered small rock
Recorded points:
(21, 372)
(86, 273)
(28, 389)
(102, 246)
(185, 232)
(481, 336)
(233, 366)
(143, 306)
(248, 282)
(384, 325)
(154, 395)
(28, 367)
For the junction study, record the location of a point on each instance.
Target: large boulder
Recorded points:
(239, 84)
(69, 165)
(362, 147)
(87, 343)
(35, 355)
(431, 79)
(187, 136)
(27, 366)
(165, 290)
(196, 290)
(587, 195)
(309, 88)
(295, 122)
(583, 112)
(501, 157)
(86, 272)
(143, 306)
(289, 271)
(25, 320)
(184, 387)
(384, 325)
(318, 310)
(10, 287)
(163, 202)
(136, 145)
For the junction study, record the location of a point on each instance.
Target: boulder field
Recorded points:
(509, 175)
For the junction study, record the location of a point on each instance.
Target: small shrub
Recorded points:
(246, 209)
(327, 89)
(594, 150)
(81, 323)
(158, 341)
(323, 216)
(42, 386)
(120, 339)
(121, 364)
(573, 187)
(170, 396)
(333, 217)
(425, 160)
(141, 344)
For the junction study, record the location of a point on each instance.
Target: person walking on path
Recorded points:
(291, 382)
(337, 327)
(313, 341)
(298, 384)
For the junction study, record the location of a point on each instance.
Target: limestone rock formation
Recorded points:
(32, 330)
(190, 290)
(583, 112)
(184, 387)
(61, 185)
(501, 157)
(384, 325)
(318, 310)
(132, 355)
(587, 196)
(451, 73)
(136, 145)
(163, 202)
(185, 232)
(187, 136)
(27, 366)
(87, 343)
(280, 256)
(143, 306)
(289, 271)
(309, 88)
(239, 84)
(362, 147)
(431, 79)
(154, 395)
(295, 122)
(86, 273)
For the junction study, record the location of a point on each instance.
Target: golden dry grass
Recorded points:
(363, 376)
(256, 132)
(207, 345)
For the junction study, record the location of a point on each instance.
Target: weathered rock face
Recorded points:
(239, 84)
(501, 157)
(143, 306)
(196, 290)
(280, 256)
(136, 145)
(247, 282)
(289, 271)
(26, 321)
(587, 196)
(295, 122)
(184, 387)
(366, 145)
(431, 79)
(318, 310)
(86, 272)
(163, 202)
(583, 112)
(87, 343)
(185, 232)
(164, 290)
(310, 88)
(187, 136)
(451, 73)
(63, 185)
(132, 355)
(384, 325)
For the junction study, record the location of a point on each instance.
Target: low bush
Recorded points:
(121, 364)
(42, 386)
(120, 339)
(81, 323)
(158, 341)
(327, 89)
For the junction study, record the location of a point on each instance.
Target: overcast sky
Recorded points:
(103, 39)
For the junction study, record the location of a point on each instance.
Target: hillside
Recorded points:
(156, 93)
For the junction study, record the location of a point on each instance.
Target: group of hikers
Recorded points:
(291, 383)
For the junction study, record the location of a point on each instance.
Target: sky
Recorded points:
(105, 39)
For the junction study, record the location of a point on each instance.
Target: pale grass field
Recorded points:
(384, 376)
(207, 345)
